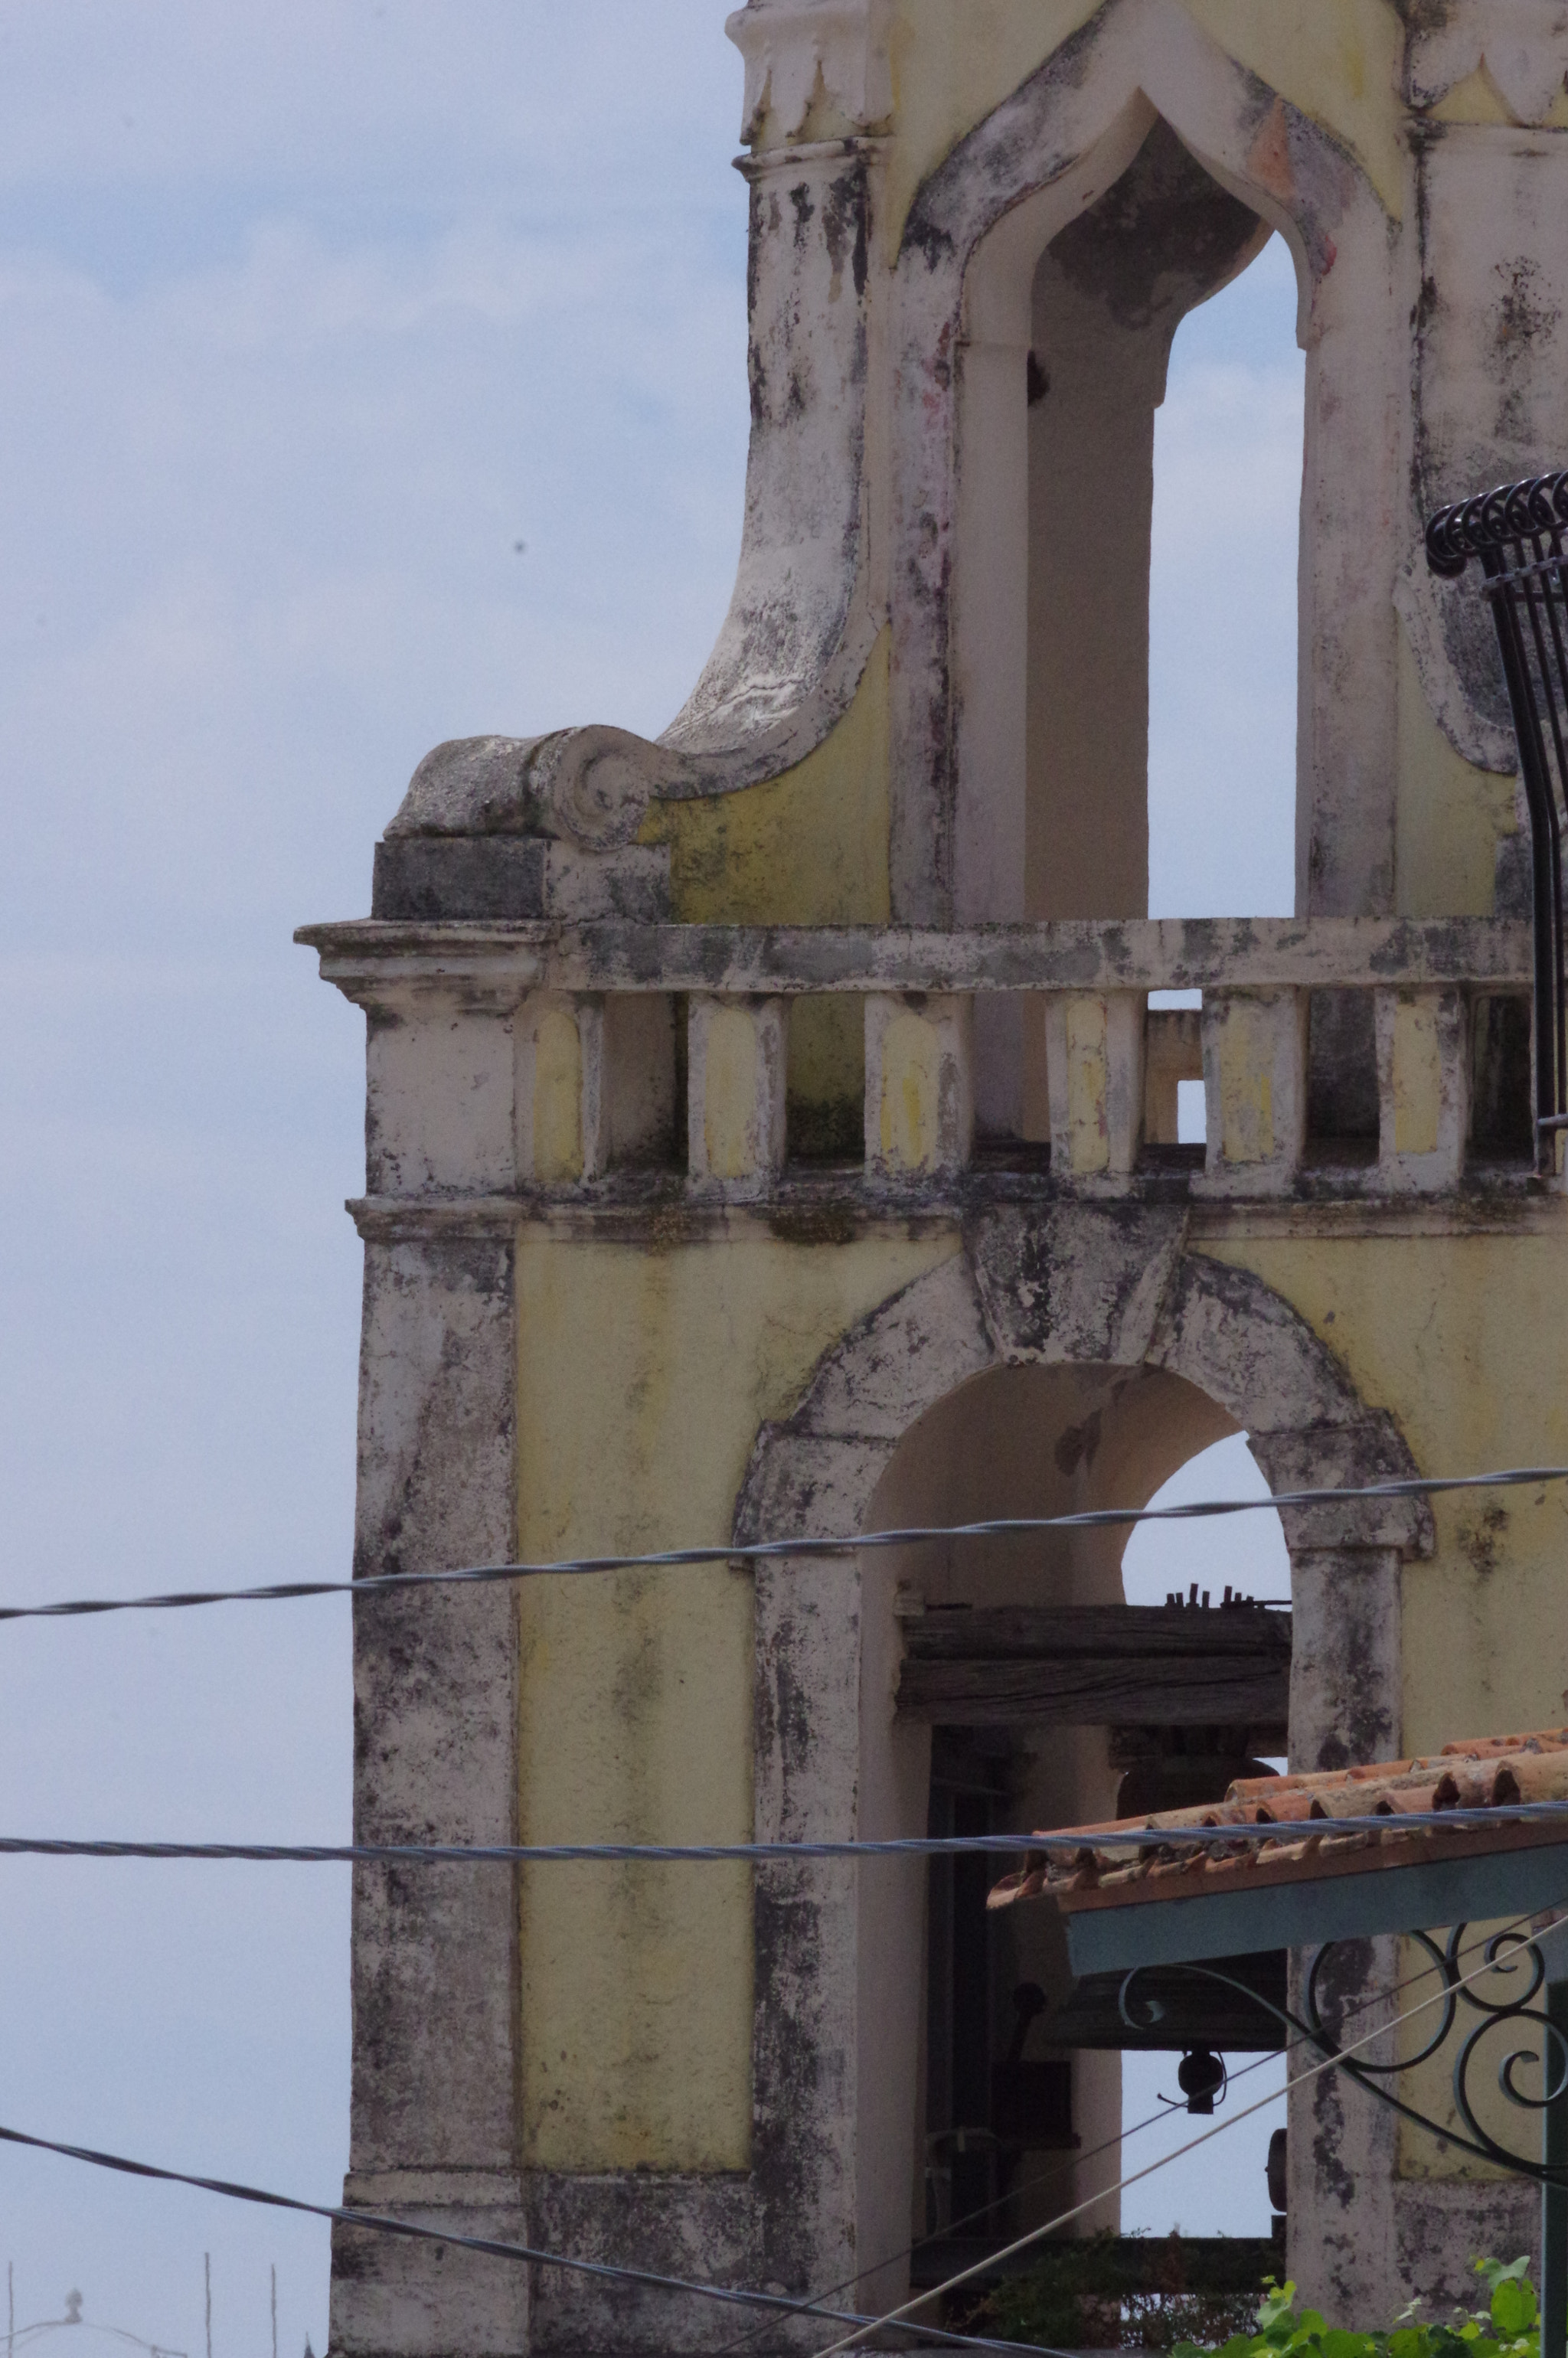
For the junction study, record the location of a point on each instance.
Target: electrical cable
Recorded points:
(1329, 2063)
(1281, 2053)
(967, 2219)
(376, 2222)
(1135, 1837)
(775, 1550)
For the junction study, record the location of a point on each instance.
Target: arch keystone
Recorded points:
(1085, 1282)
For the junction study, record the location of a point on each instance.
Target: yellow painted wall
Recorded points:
(808, 847)
(646, 1367)
(644, 1370)
(1465, 1340)
(1337, 60)
(1448, 815)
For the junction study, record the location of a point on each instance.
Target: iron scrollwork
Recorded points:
(1515, 2010)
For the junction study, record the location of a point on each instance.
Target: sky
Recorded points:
(370, 373)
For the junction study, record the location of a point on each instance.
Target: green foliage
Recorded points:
(1509, 2327)
(1105, 2292)
(1091, 2294)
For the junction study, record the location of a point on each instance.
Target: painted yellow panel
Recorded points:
(1088, 1077)
(1477, 99)
(1448, 815)
(644, 1370)
(730, 1098)
(558, 1098)
(1247, 1083)
(912, 1057)
(1465, 1340)
(1417, 1075)
(1337, 60)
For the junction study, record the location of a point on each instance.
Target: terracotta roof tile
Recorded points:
(1077, 1868)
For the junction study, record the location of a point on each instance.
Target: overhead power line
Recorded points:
(901, 2316)
(775, 1551)
(1132, 1837)
(524, 2255)
(375, 2222)
(1275, 2056)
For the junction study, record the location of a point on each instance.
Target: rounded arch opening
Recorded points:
(956, 2073)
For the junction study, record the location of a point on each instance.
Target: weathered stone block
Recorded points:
(438, 1103)
(1345, 1456)
(422, 879)
(927, 1341)
(1082, 1282)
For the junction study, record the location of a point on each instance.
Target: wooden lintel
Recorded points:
(1102, 1665)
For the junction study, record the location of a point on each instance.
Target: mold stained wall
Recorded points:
(646, 1368)
(811, 847)
(646, 1365)
(1464, 1338)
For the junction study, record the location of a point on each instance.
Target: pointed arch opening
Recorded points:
(1070, 316)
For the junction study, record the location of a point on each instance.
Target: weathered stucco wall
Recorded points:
(646, 1368)
(573, 1347)
(1338, 61)
(1463, 1338)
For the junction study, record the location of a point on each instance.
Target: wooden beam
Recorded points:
(1098, 1665)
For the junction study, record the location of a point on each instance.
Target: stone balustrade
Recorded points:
(543, 1056)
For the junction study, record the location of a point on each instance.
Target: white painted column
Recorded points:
(920, 1085)
(1254, 1063)
(1423, 1089)
(737, 1066)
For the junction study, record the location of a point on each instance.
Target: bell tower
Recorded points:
(769, 1134)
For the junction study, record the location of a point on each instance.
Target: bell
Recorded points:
(1201, 2077)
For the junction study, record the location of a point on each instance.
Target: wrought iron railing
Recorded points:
(1518, 532)
(1511, 2025)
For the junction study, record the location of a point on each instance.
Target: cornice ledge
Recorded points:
(398, 1219)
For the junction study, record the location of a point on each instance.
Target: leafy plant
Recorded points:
(1093, 2294)
(1107, 2292)
(1509, 2327)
